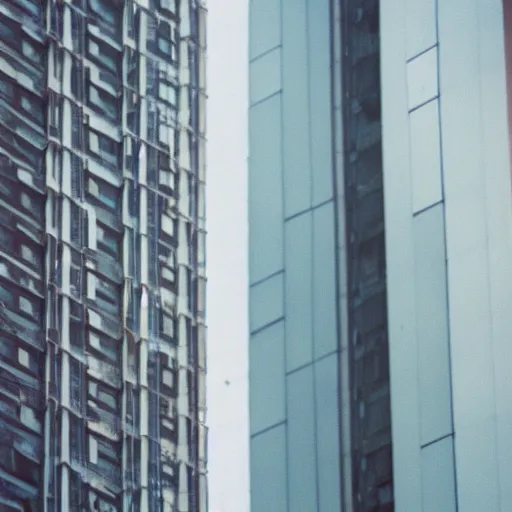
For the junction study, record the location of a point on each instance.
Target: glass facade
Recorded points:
(319, 379)
(380, 212)
(102, 281)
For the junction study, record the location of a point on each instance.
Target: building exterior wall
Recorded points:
(293, 318)
(319, 385)
(103, 342)
(449, 247)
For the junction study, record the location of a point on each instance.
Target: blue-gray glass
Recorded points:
(268, 471)
(266, 301)
(319, 76)
(298, 298)
(324, 283)
(264, 26)
(302, 440)
(327, 415)
(265, 76)
(265, 189)
(296, 133)
(267, 377)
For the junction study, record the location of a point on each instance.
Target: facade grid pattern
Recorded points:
(102, 178)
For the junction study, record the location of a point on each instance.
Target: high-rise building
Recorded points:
(102, 256)
(380, 209)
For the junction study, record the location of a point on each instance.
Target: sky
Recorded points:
(227, 379)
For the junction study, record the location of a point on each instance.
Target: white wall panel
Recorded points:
(425, 156)
(422, 78)
(432, 325)
(438, 477)
(400, 259)
(468, 257)
(499, 226)
(421, 26)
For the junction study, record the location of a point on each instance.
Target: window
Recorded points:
(93, 450)
(105, 193)
(169, 225)
(29, 419)
(54, 113)
(107, 241)
(104, 146)
(26, 306)
(25, 201)
(107, 346)
(6, 88)
(57, 62)
(168, 326)
(164, 45)
(6, 32)
(77, 30)
(104, 54)
(108, 399)
(167, 92)
(28, 254)
(103, 101)
(169, 5)
(94, 48)
(31, 52)
(169, 274)
(6, 296)
(168, 378)
(104, 10)
(23, 358)
(30, 107)
(166, 41)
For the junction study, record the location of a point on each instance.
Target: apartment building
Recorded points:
(102, 281)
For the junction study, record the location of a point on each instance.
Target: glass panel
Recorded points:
(296, 150)
(432, 325)
(422, 78)
(266, 301)
(324, 282)
(425, 156)
(265, 26)
(265, 189)
(298, 291)
(266, 352)
(301, 441)
(320, 99)
(268, 471)
(328, 433)
(265, 75)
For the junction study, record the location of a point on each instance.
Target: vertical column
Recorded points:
(266, 262)
(415, 253)
(479, 244)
